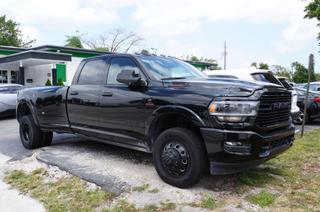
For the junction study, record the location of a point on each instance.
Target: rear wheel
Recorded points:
(30, 134)
(179, 157)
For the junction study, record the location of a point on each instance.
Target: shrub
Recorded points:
(48, 83)
(60, 82)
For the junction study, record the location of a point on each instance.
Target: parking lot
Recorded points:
(115, 169)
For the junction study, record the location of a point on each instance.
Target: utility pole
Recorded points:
(225, 55)
(310, 69)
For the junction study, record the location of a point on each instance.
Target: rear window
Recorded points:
(265, 77)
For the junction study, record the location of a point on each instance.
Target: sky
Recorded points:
(270, 31)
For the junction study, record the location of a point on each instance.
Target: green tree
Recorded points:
(10, 34)
(264, 66)
(300, 74)
(281, 71)
(74, 41)
(194, 59)
(254, 64)
(317, 76)
(312, 11)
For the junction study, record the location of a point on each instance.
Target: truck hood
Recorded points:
(218, 86)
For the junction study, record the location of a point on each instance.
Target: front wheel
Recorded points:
(179, 157)
(30, 134)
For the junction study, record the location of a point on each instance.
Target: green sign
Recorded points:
(61, 72)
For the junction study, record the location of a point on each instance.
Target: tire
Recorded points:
(31, 136)
(179, 157)
(299, 119)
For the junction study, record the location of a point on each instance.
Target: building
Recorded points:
(203, 65)
(34, 66)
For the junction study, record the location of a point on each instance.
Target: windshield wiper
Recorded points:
(172, 78)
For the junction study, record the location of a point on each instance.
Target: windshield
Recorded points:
(169, 68)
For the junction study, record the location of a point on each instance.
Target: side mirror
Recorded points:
(318, 89)
(128, 77)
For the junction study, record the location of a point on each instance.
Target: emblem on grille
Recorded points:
(280, 105)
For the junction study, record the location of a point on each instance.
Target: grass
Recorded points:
(206, 202)
(124, 206)
(168, 206)
(154, 190)
(141, 188)
(288, 182)
(295, 174)
(263, 198)
(66, 194)
(145, 187)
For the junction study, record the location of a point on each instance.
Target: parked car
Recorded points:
(297, 114)
(299, 85)
(253, 74)
(314, 86)
(8, 99)
(249, 74)
(313, 104)
(164, 106)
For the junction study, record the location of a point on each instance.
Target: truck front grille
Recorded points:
(274, 109)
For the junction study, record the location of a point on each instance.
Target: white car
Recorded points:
(314, 86)
(8, 99)
(253, 74)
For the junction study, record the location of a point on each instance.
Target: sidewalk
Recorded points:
(11, 200)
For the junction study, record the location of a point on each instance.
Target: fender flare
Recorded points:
(172, 109)
(32, 111)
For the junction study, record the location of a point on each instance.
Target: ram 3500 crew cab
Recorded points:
(190, 123)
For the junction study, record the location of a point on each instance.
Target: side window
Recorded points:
(92, 73)
(118, 64)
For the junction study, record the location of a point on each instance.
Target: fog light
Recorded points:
(233, 143)
(237, 147)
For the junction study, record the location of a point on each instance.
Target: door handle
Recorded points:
(73, 93)
(107, 94)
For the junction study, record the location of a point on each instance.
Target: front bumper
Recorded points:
(253, 150)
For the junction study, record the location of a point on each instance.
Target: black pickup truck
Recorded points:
(161, 105)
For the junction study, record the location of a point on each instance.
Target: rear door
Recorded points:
(84, 96)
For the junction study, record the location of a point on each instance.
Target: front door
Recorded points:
(123, 114)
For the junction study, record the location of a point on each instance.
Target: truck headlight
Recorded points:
(233, 111)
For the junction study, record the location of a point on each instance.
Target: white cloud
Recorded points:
(169, 24)
(296, 35)
(158, 16)
(62, 13)
(30, 32)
